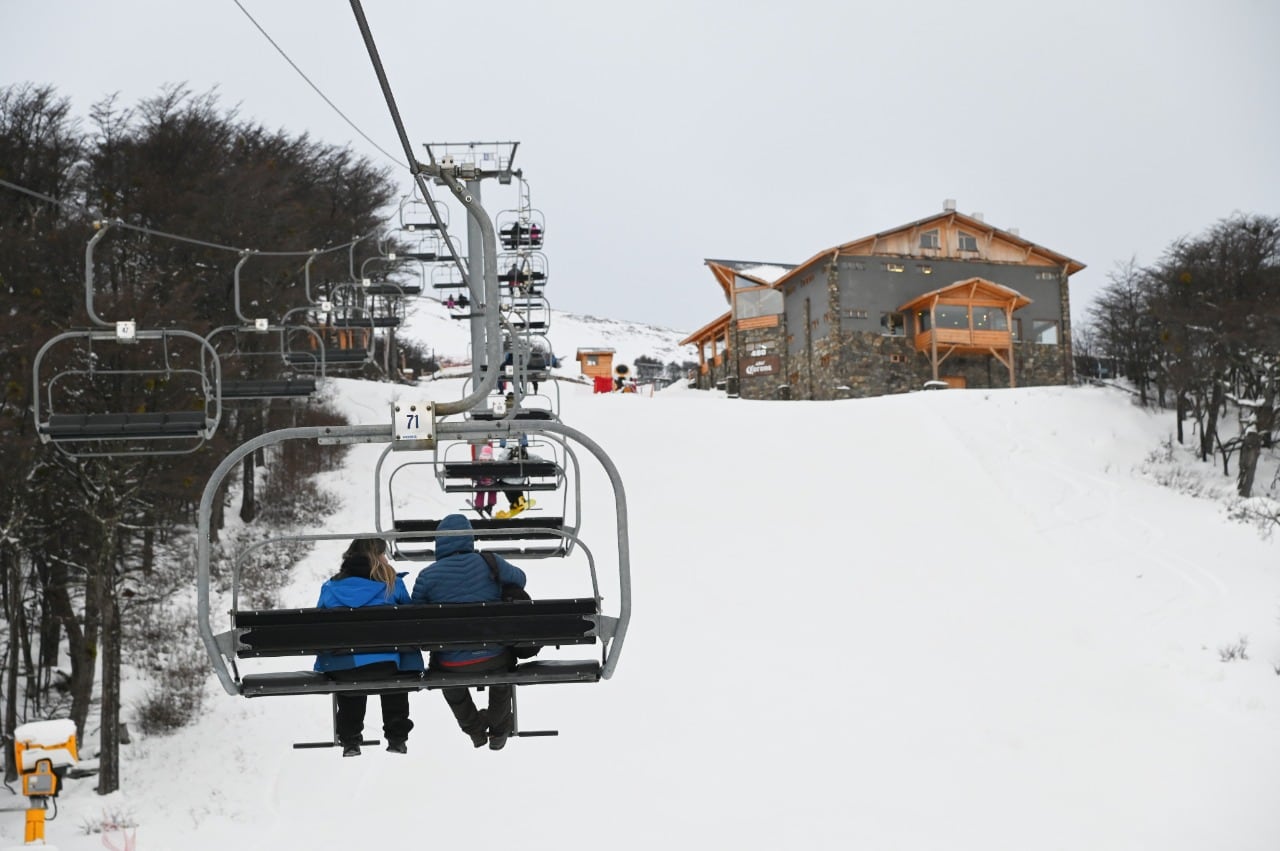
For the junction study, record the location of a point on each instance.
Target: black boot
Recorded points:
(478, 729)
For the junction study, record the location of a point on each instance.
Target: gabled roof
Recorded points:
(903, 241)
(972, 291)
(764, 274)
(594, 351)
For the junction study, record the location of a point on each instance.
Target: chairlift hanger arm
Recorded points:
(102, 227)
(306, 277)
(244, 258)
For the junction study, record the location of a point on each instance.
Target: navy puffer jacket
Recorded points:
(461, 575)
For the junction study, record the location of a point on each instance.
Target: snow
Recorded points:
(46, 733)
(46, 740)
(965, 619)
(764, 272)
(430, 322)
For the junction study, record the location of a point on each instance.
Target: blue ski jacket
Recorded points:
(460, 575)
(358, 591)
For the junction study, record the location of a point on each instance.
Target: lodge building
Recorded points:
(947, 300)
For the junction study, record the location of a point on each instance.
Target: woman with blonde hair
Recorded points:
(367, 578)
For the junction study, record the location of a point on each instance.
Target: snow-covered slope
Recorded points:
(430, 323)
(956, 620)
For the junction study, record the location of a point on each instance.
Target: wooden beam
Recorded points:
(1008, 320)
(933, 336)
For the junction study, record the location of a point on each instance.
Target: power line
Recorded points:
(316, 88)
(174, 236)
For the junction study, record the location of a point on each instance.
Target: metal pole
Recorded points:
(475, 279)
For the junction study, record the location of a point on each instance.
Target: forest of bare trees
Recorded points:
(1198, 331)
(95, 552)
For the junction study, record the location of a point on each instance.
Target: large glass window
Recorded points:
(893, 324)
(923, 321)
(1044, 331)
(929, 239)
(967, 242)
(989, 319)
(758, 302)
(953, 316)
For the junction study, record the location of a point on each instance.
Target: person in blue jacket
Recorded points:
(461, 575)
(367, 578)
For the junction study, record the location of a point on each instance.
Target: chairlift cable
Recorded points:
(316, 88)
(118, 222)
(390, 98)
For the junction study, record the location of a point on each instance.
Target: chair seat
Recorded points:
(536, 672)
(107, 426)
(268, 389)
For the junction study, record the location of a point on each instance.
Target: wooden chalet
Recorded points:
(946, 298)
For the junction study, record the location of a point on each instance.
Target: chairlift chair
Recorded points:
(447, 278)
(521, 272)
(553, 518)
(162, 392)
(582, 620)
(327, 349)
(521, 233)
(414, 215)
(528, 314)
(252, 370)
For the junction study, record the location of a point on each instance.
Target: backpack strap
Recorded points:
(491, 560)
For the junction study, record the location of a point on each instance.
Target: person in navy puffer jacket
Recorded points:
(461, 575)
(368, 579)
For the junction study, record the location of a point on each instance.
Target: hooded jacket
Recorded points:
(461, 575)
(353, 587)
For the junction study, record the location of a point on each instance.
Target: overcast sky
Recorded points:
(655, 135)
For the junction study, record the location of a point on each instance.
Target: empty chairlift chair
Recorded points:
(126, 391)
(255, 364)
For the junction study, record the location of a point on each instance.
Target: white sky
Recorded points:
(662, 133)
(659, 134)
(966, 620)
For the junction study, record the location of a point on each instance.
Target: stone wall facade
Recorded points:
(857, 365)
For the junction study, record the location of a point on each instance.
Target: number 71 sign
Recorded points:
(414, 421)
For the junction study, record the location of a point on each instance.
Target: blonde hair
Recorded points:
(380, 567)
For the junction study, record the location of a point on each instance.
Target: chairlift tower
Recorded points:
(472, 162)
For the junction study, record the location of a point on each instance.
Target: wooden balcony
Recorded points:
(963, 339)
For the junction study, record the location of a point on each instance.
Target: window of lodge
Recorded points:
(952, 316)
(1044, 331)
(989, 319)
(893, 324)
